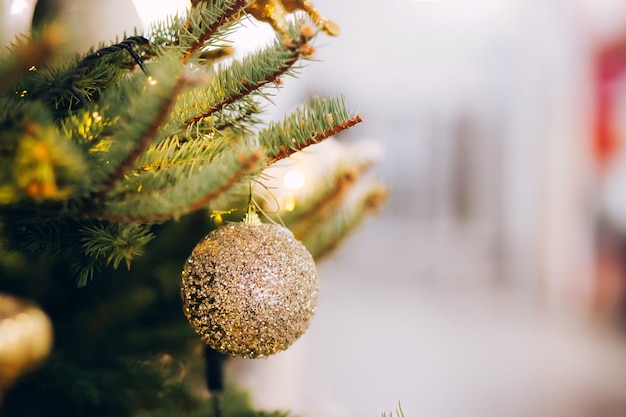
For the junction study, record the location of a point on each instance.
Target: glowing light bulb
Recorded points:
(294, 179)
(19, 7)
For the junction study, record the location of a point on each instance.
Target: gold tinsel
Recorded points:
(275, 13)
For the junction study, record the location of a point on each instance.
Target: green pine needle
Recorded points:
(241, 78)
(116, 243)
(315, 121)
(399, 412)
(203, 27)
(192, 187)
(93, 140)
(339, 221)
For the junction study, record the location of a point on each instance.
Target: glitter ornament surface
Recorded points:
(249, 290)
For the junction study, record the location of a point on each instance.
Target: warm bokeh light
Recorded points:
(19, 6)
(294, 179)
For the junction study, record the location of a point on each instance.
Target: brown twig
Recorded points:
(287, 152)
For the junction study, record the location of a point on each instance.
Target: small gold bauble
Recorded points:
(249, 290)
(25, 338)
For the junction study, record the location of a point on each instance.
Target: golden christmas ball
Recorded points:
(249, 289)
(25, 338)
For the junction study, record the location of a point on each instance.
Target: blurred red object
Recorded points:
(610, 66)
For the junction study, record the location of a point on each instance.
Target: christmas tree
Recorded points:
(113, 166)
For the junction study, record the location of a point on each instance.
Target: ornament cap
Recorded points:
(252, 218)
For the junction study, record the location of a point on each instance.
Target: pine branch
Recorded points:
(287, 152)
(173, 158)
(114, 242)
(91, 60)
(240, 117)
(52, 238)
(237, 115)
(224, 15)
(326, 197)
(90, 128)
(201, 28)
(317, 120)
(72, 83)
(142, 126)
(252, 73)
(186, 194)
(247, 164)
(27, 53)
(328, 235)
(146, 139)
(247, 87)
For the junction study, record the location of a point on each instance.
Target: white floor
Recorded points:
(387, 332)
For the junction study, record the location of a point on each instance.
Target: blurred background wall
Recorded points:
(493, 282)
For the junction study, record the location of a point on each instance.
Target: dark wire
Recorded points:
(89, 61)
(214, 375)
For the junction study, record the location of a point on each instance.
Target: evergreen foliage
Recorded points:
(115, 158)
